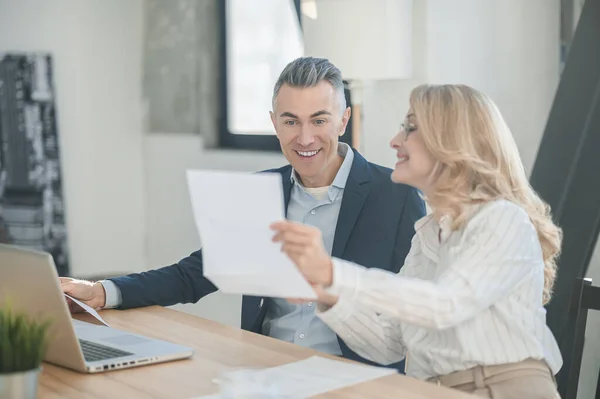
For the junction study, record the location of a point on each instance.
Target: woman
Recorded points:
(467, 306)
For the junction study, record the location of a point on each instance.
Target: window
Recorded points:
(258, 39)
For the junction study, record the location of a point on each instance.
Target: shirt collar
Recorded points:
(427, 226)
(428, 230)
(431, 230)
(341, 177)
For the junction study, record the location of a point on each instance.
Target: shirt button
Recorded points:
(301, 335)
(310, 304)
(313, 212)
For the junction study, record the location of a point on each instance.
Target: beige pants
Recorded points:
(529, 379)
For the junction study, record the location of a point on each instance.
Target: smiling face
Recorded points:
(308, 122)
(415, 162)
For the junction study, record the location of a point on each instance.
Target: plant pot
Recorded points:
(20, 385)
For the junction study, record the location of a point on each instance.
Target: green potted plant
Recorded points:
(23, 343)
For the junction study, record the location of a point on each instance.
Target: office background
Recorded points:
(138, 102)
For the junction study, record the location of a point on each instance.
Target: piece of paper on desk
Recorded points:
(88, 309)
(317, 375)
(305, 378)
(233, 212)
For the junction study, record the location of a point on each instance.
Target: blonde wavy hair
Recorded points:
(477, 162)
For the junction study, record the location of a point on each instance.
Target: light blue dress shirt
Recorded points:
(298, 324)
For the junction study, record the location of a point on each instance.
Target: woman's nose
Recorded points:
(395, 141)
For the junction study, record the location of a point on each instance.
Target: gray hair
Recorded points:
(306, 72)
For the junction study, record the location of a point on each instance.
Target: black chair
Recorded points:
(585, 296)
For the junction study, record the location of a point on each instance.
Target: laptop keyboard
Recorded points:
(92, 352)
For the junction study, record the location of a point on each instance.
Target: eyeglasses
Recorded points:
(406, 128)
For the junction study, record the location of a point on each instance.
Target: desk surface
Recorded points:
(217, 349)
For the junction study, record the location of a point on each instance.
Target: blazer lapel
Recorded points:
(286, 177)
(355, 194)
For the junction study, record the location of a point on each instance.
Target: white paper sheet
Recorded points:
(88, 309)
(307, 378)
(317, 375)
(233, 212)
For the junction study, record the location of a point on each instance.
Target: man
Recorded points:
(363, 216)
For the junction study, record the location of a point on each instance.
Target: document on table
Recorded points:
(233, 212)
(305, 378)
(317, 375)
(88, 309)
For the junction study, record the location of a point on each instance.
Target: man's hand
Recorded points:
(92, 294)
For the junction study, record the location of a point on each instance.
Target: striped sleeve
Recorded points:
(496, 251)
(366, 331)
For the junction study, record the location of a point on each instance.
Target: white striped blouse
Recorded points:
(462, 299)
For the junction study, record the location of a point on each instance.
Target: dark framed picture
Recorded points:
(32, 209)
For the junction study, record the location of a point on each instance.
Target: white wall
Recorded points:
(508, 49)
(385, 103)
(171, 230)
(96, 47)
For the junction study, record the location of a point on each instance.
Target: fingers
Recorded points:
(291, 236)
(287, 226)
(78, 289)
(68, 285)
(281, 225)
(294, 237)
(68, 288)
(293, 249)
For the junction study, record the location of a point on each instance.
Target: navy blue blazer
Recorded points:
(374, 229)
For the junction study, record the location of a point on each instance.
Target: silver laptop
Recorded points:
(28, 279)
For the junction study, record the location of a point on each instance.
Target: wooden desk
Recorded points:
(217, 348)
